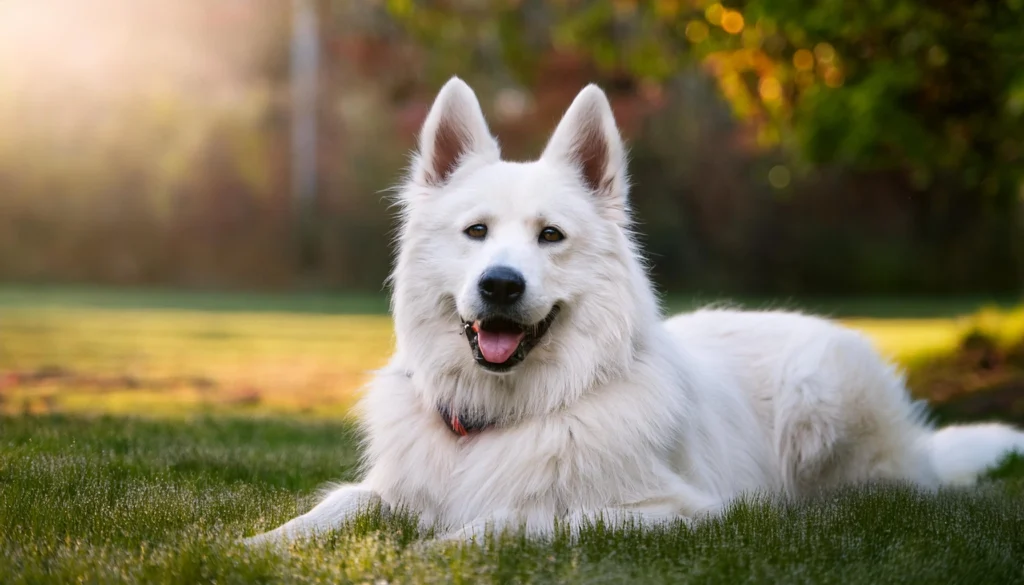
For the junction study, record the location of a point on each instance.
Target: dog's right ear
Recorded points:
(454, 131)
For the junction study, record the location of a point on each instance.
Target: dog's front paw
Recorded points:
(474, 532)
(621, 519)
(264, 541)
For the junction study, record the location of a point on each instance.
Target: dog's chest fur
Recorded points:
(620, 445)
(418, 462)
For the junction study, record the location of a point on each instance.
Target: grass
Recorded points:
(146, 431)
(94, 350)
(114, 499)
(362, 304)
(132, 360)
(91, 297)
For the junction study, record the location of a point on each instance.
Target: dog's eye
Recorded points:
(476, 231)
(550, 234)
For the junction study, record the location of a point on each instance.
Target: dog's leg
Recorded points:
(806, 444)
(813, 407)
(337, 508)
(686, 506)
(843, 415)
(536, 522)
(619, 518)
(614, 518)
(476, 530)
(648, 514)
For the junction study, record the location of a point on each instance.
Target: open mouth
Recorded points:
(499, 343)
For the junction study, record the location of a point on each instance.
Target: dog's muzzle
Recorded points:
(499, 343)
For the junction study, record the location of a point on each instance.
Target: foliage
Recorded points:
(156, 167)
(903, 119)
(934, 88)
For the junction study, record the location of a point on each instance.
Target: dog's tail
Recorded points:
(960, 454)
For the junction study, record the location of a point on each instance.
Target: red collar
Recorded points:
(461, 425)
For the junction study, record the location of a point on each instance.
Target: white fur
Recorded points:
(616, 413)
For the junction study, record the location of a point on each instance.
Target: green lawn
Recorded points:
(146, 431)
(95, 350)
(129, 500)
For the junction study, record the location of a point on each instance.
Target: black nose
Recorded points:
(502, 285)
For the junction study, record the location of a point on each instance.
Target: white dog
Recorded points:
(535, 383)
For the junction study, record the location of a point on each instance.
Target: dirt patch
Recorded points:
(981, 380)
(59, 375)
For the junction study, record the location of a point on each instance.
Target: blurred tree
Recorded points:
(778, 146)
(923, 86)
(933, 90)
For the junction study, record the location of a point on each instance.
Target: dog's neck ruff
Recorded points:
(461, 425)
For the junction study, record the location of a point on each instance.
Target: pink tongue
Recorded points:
(498, 346)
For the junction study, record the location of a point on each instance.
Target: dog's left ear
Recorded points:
(588, 139)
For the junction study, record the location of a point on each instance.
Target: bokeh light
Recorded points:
(770, 89)
(732, 22)
(779, 176)
(937, 56)
(714, 13)
(824, 52)
(833, 77)
(803, 60)
(696, 31)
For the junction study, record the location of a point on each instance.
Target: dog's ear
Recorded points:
(454, 131)
(588, 139)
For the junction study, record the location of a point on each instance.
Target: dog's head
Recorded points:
(517, 285)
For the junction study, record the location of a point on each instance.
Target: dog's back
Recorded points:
(835, 410)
